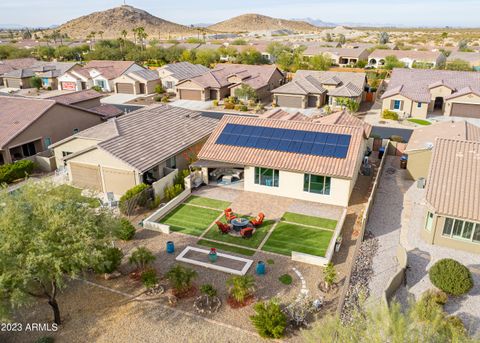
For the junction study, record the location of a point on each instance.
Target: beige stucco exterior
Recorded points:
(418, 163)
(435, 236)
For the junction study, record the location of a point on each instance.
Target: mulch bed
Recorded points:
(235, 304)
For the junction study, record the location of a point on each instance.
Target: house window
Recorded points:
(48, 142)
(397, 104)
(172, 162)
(461, 229)
(419, 104)
(76, 130)
(428, 224)
(317, 184)
(266, 177)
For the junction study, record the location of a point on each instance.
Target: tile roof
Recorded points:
(312, 82)
(330, 166)
(412, 54)
(424, 137)
(153, 134)
(76, 97)
(185, 70)
(453, 181)
(343, 118)
(415, 84)
(17, 113)
(256, 76)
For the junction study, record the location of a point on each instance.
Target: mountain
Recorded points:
(114, 20)
(258, 22)
(316, 22)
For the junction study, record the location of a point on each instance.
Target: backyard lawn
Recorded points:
(189, 219)
(292, 237)
(207, 202)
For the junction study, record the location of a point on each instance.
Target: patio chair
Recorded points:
(259, 220)
(229, 216)
(246, 232)
(224, 228)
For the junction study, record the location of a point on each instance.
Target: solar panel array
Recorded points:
(297, 141)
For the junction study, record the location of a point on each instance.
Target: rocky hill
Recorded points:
(257, 22)
(113, 21)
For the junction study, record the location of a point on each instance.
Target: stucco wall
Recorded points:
(291, 186)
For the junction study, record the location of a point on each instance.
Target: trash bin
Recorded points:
(403, 162)
(260, 268)
(170, 247)
(381, 152)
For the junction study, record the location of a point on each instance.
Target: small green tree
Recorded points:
(36, 82)
(142, 258)
(181, 278)
(245, 92)
(241, 287)
(329, 275)
(269, 319)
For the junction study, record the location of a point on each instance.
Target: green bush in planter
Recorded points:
(269, 319)
(125, 230)
(149, 278)
(111, 260)
(451, 276)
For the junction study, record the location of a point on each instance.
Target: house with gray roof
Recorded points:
(173, 73)
(422, 92)
(310, 88)
(149, 145)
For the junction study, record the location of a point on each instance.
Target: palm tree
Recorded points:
(241, 287)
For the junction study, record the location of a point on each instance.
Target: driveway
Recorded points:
(116, 99)
(193, 104)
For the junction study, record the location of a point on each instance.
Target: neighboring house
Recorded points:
(296, 159)
(88, 99)
(411, 58)
(222, 81)
(310, 88)
(7, 66)
(340, 56)
(28, 126)
(143, 146)
(473, 58)
(422, 142)
(419, 92)
(47, 71)
(97, 73)
(137, 82)
(452, 195)
(171, 74)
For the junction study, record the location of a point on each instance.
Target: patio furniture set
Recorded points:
(238, 226)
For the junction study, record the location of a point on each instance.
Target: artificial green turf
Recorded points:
(225, 247)
(207, 202)
(253, 242)
(76, 195)
(419, 121)
(309, 220)
(190, 219)
(285, 279)
(290, 237)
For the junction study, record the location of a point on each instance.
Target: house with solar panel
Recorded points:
(315, 161)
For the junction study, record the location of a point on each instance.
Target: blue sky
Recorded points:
(400, 12)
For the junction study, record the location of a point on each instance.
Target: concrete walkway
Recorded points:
(386, 219)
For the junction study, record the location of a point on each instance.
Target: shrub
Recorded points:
(181, 278)
(215, 102)
(149, 278)
(451, 277)
(269, 319)
(172, 191)
(387, 114)
(14, 171)
(110, 261)
(142, 258)
(159, 89)
(241, 287)
(125, 230)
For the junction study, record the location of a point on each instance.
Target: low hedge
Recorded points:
(14, 171)
(451, 276)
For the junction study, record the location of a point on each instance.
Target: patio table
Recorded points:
(239, 223)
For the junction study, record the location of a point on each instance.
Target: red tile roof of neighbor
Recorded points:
(17, 113)
(330, 166)
(75, 97)
(453, 182)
